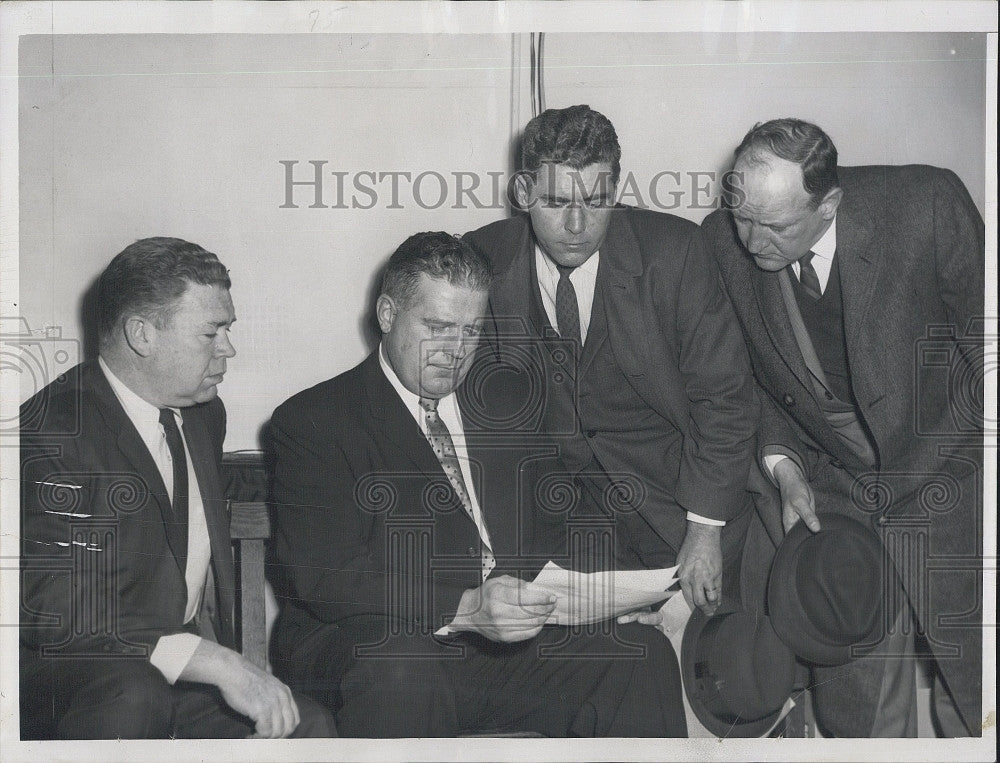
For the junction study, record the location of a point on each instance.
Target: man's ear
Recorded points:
(385, 312)
(140, 333)
(828, 207)
(523, 186)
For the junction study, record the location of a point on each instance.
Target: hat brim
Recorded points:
(718, 726)
(785, 608)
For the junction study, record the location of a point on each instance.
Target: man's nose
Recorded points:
(576, 221)
(756, 240)
(225, 348)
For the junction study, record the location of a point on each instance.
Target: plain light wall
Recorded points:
(128, 136)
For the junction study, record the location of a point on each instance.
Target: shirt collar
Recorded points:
(138, 410)
(827, 244)
(589, 267)
(410, 400)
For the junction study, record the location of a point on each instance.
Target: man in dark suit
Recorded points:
(859, 290)
(637, 348)
(127, 569)
(407, 522)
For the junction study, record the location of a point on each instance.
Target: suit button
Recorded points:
(472, 551)
(788, 399)
(836, 463)
(591, 432)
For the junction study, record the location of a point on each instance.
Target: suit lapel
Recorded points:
(618, 281)
(510, 297)
(598, 329)
(860, 268)
(395, 424)
(134, 450)
(770, 303)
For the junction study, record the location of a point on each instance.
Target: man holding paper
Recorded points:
(407, 523)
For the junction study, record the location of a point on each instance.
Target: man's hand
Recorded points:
(504, 609)
(700, 566)
(246, 688)
(643, 616)
(797, 500)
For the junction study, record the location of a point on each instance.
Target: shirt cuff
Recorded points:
(172, 654)
(771, 461)
(692, 517)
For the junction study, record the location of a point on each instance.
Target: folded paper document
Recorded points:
(591, 597)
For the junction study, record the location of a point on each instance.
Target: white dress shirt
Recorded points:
(822, 262)
(584, 280)
(172, 653)
(452, 418)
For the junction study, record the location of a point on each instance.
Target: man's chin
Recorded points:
(770, 264)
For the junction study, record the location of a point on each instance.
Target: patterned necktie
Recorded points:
(444, 448)
(567, 309)
(808, 277)
(175, 443)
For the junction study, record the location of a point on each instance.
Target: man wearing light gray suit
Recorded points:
(860, 294)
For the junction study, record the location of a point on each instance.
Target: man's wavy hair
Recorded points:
(149, 277)
(437, 255)
(800, 142)
(576, 136)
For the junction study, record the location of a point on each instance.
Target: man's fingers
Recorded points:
(789, 516)
(808, 515)
(527, 595)
(288, 713)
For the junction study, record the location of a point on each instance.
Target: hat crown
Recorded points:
(840, 587)
(743, 670)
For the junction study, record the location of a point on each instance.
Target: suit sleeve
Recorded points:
(959, 249)
(724, 411)
(329, 539)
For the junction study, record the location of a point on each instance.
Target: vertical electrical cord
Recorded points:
(537, 73)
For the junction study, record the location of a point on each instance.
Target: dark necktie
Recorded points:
(567, 309)
(444, 448)
(808, 277)
(177, 530)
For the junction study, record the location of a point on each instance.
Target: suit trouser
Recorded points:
(601, 680)
(127, 698)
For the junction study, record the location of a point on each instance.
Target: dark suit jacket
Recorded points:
(366, 522)
(99, 575)
(674, 337)
(910, 248)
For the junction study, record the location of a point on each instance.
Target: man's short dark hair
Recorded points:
(149, 276)
(576, 136)
(796, 141)
(438, 255)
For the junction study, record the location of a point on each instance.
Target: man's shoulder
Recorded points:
(333, 398)
(645, 221)
(498, 240)
(58, 408)
(892, 180)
